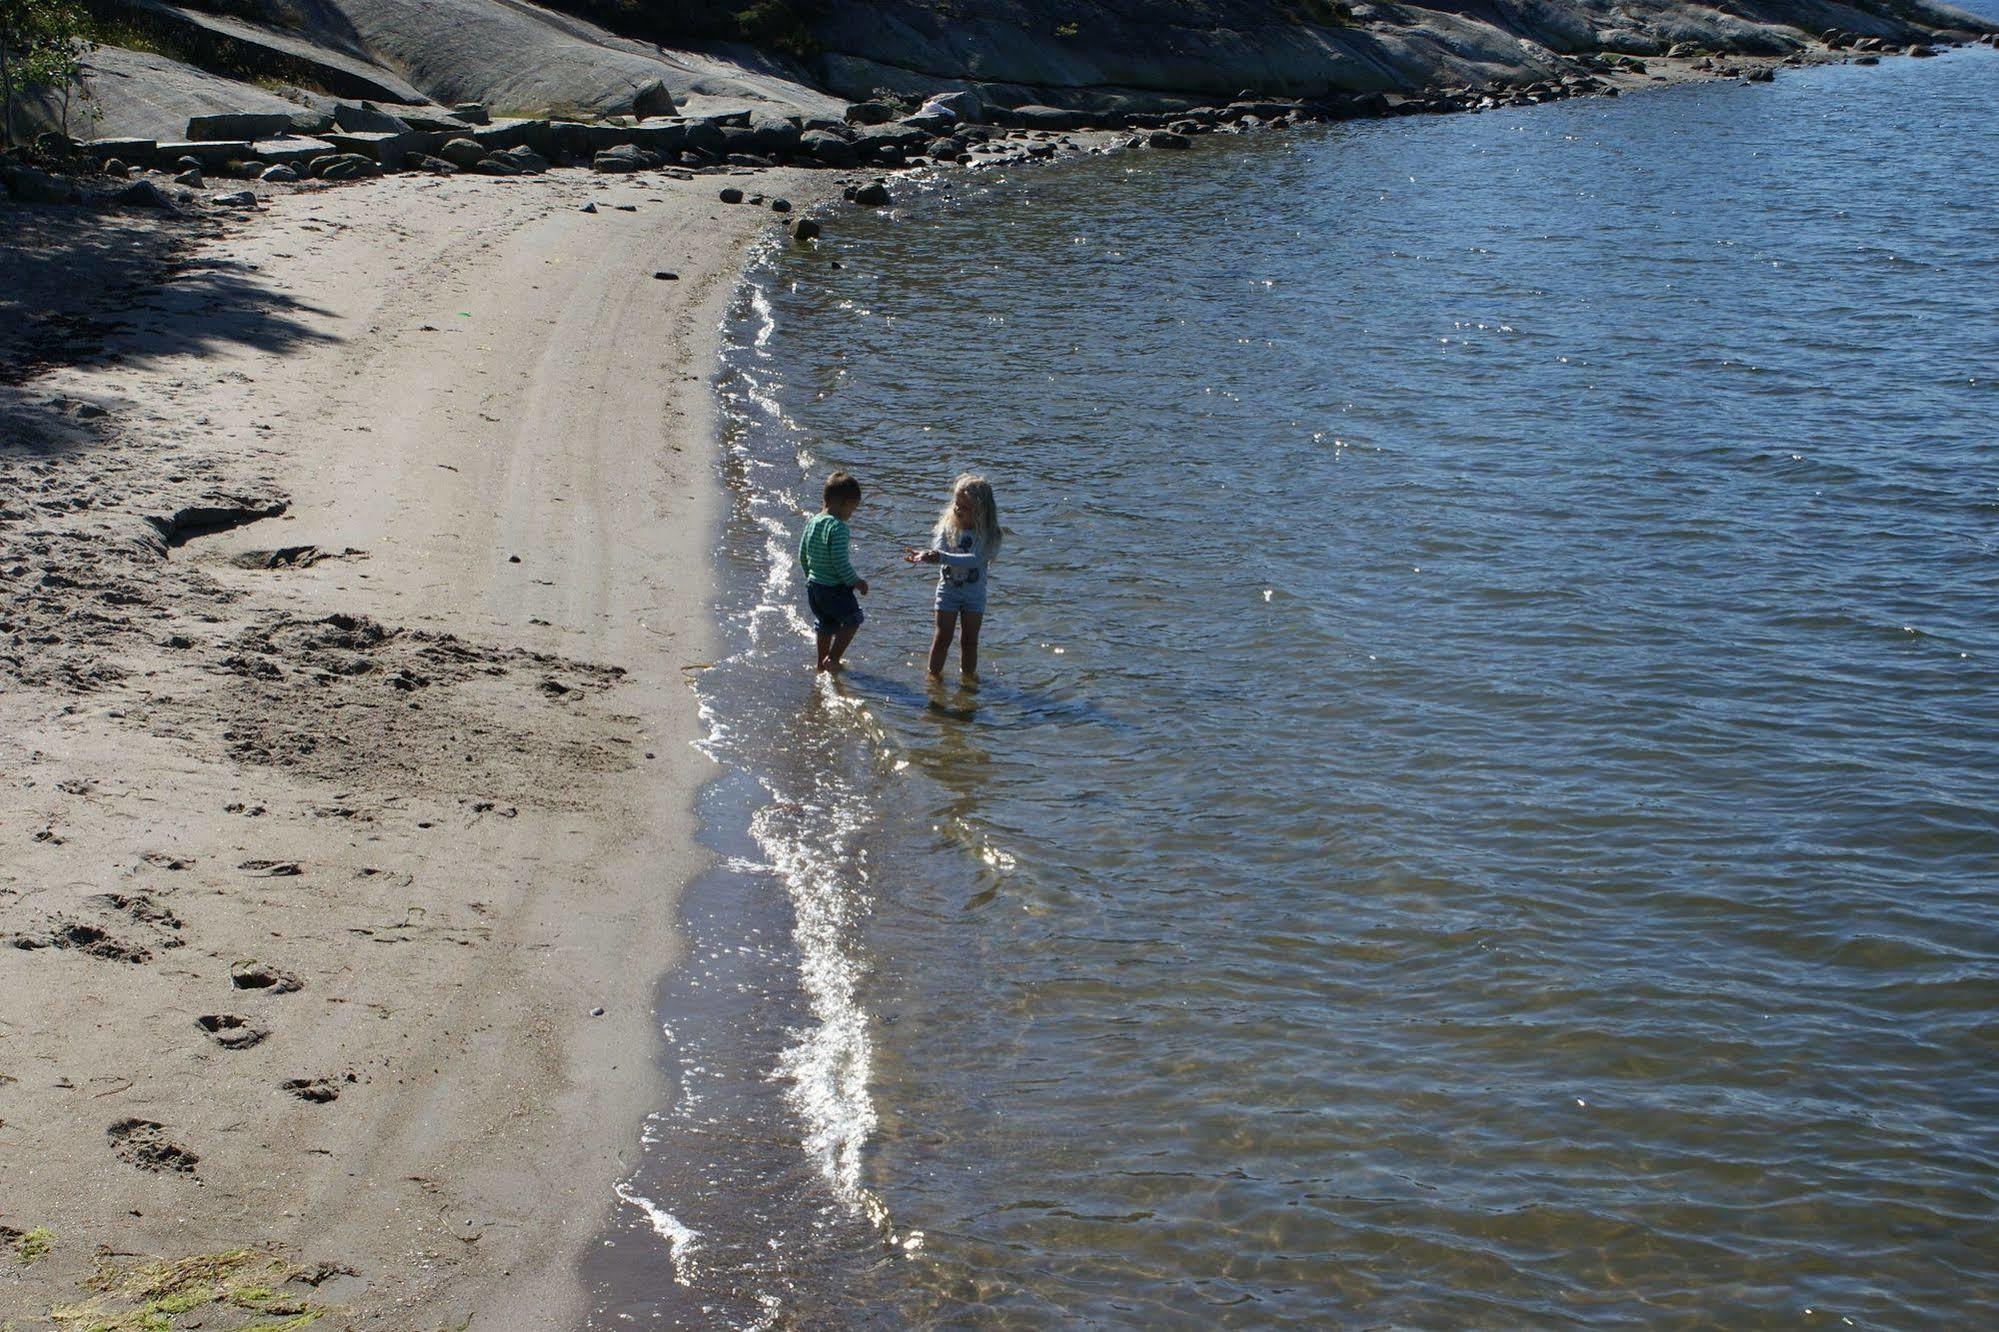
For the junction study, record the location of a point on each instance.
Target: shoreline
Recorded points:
(382, 763)
(295, 396)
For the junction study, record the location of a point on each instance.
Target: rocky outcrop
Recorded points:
(139, 95)
(843, 97)
(1107, 54)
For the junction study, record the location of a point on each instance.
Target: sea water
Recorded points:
(1481, 803)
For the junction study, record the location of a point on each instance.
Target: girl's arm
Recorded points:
(969, 559)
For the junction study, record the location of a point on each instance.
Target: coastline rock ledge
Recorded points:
(391, 80)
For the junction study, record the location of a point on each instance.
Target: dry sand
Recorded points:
(346, 608)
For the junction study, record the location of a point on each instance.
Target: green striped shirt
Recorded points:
(823, 552)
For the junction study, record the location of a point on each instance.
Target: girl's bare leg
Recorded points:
(825, 643)
(969, 651)
(940, 642)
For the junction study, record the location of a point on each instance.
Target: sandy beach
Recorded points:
(351, 592)
(355, 554)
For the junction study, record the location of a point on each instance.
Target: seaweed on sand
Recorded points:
(150, 1294)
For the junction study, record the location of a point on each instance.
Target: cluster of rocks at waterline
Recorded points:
(1095, 55)
(354, 141)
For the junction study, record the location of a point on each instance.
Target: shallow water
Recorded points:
(1479, 810)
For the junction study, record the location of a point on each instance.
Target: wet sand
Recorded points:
(350, 592)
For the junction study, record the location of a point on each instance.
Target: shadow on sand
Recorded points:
(74, 277)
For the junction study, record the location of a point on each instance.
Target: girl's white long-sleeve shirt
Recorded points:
(960, 558)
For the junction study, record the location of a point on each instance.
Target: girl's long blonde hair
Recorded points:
(985, 522)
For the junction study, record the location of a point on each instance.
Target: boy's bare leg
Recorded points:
(940, 642)
(969, 653)
(840, 640)
(825, 642)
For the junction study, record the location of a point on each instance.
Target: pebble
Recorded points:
(664, 276)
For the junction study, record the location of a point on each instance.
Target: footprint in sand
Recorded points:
(230, 1031)
(317, 1090)
(252, 975)
(145, 1144)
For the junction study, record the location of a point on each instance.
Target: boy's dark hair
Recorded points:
(840, 486)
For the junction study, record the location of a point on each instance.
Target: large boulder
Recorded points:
(1047, 118)
(624, 158)
(145, 194)
(386, 148)
(463, 153)
(828, 149)
(25, 184)
(132, 152)
(965, 106)
(523, 159)
(665, 137)
(345, 166)
(534, 134)
(654, 99)
(907, 138)
(239, 125)
(762, 136)
(211, 155)
(367, 118)
(289, 151)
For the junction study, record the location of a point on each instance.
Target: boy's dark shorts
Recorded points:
(833, 608)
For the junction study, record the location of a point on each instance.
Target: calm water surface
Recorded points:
(1480, 811)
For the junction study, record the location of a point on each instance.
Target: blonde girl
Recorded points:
(963, 545)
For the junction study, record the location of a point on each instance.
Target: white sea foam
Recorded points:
(681, 1240)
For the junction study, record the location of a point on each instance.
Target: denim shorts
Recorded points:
(833, 608)
(969, 598)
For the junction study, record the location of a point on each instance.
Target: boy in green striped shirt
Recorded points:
(830, 580)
